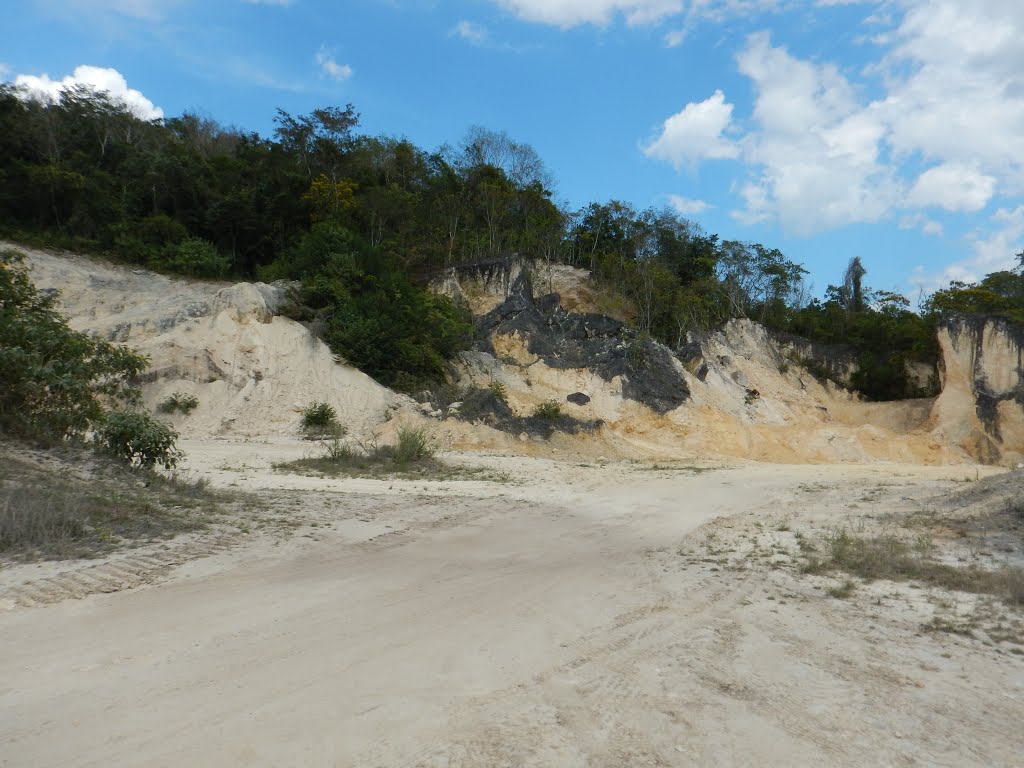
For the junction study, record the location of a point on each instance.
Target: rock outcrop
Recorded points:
(981, 407)
(647, 371)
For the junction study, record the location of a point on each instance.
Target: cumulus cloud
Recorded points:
(331, 68)
(814, 152)
(471, 32)
(955, 186)
(818, 155)
(696, 133)
(105, 80)
(688, 206)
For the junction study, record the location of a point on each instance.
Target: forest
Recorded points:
(364, 222)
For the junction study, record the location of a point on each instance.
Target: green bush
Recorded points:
(414, 444)
(138, 439)
(320, 419)
(179, 401)
(53, 380)
(549, 411)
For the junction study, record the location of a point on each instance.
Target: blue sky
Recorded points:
(892, 130)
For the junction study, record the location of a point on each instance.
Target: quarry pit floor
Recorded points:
(571, 613)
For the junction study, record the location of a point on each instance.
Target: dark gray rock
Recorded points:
(594, 342)
(578, 398)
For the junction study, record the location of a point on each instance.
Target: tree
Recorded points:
(54, 382)
(852, 291)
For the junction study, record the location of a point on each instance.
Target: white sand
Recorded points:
(551, 622)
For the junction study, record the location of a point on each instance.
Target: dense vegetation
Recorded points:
(363, 222)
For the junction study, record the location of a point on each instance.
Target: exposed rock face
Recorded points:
(838, 361)
(566, 340)
(980, 408)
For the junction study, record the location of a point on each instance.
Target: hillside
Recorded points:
(733, 393)
(604, 580)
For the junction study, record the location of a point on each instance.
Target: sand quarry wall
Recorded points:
(980, 407)
(253, 371)
(746, 398)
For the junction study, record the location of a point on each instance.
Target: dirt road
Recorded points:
(557, 621)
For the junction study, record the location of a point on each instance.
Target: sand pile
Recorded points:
(252, 370)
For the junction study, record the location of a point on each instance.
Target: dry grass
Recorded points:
(886, 556)
(68, 503)
(411, 458)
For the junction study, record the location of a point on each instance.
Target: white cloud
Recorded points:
(992, 251)
(688, 206)
(331, 68)
(955, 186)
(813, 153)
(107, 80)
(572, 13)
(927, 225)
(696, 133)
(818, 155)
(476, 34)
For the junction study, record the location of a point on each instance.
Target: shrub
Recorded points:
(53, 380)
(179, 401)
(548, 411)
(319, 419)
(414, 444)
(138, 439)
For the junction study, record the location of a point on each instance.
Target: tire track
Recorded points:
(123, 573)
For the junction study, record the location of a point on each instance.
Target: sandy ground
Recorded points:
(575, 616)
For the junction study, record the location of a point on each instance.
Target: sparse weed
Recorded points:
(844, 590)
(889, 557)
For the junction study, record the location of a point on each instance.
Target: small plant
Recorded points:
(319, 419)
(844, 590)
(335, 450)
(179, 401)
(497, 389)
(138, 439)
(548, 411)
(414, 444)
(637, 355)
(752, 396)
